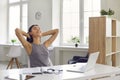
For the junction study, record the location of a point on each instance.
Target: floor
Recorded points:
(3, 65)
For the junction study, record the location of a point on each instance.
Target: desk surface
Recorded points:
(98, 71)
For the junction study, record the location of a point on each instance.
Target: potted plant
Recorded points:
(103, 12)
(75, 40)
(109, 12)
(13, 41)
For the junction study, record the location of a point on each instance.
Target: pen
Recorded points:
(37, 73)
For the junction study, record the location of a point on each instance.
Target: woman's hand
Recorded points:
(20, 34)
(27, 35)
(53, 34)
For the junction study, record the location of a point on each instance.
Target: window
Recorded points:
(13, 1)
(75, 19)
(70, 19)
(17, 17)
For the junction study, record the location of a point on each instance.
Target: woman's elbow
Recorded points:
(17, 30)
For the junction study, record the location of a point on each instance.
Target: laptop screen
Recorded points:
(83, 67)
(92, 60)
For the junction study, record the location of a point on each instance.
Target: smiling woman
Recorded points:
(38, 52)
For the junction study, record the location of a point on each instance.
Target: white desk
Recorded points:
(100, 72)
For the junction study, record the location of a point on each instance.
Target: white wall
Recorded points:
(3, 21)
(64, 54)
(114, 5)
(45, 7)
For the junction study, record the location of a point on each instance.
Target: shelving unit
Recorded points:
(104, 36)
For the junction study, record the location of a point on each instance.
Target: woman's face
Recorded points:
(35, 32)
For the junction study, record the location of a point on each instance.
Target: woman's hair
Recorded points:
(29, 30)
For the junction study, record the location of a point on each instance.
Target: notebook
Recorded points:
(83, 67)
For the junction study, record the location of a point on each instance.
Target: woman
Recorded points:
(37, 51)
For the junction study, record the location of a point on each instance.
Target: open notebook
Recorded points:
(83, 67)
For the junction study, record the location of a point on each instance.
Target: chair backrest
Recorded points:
(28, 59)
(15, 51)
(51, 64)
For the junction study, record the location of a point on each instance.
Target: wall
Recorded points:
(45, 7)
(114, 5)
(64, 54)
(3, 21)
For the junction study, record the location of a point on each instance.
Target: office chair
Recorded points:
(51, 64)
(14, 53)
(78, 59)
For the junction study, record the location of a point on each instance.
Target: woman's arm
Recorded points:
(53, 36)
(20, 34)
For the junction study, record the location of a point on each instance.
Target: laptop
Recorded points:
(83, 67)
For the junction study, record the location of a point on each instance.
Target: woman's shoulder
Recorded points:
(43, 45)
(38, 45)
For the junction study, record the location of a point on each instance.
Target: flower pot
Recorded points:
(76, 45)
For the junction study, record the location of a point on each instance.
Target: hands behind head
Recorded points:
(28, 35)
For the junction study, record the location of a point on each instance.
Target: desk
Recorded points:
(100, 72)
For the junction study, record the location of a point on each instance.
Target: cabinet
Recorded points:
(104, 36)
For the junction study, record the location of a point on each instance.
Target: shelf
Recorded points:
(112, 36)
(104, 36)
(109, 54)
